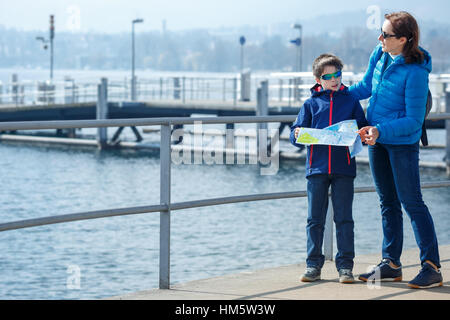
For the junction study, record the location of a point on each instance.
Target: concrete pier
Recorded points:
(282, 283)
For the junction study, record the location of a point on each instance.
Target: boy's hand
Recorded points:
(296, 133)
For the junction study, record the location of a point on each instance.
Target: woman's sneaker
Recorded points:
(346, 276)
(311, 274)
(428, 277)
(383, 272)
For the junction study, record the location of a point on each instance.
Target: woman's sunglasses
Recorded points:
(328, 76)
(386, 35)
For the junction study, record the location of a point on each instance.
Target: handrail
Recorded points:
(88, 215)
(165, 206)
(137, 122)
(28, 223)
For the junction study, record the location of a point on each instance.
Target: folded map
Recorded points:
(343, 133)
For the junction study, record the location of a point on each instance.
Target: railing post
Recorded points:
(102, 112)
(280, 81)
(184, 89)
(447, 129)
(224, 90)
(176, 88)
(328, 233)
(164, 217)
(290, 92)
(262, 101)
(133, 88)
(234, 91)
(22, 94)
(245, 85)
(15, 88)
(297, 92)
(68, 90)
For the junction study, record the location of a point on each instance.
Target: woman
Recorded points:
(397, 83)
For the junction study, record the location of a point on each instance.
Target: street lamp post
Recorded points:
(133, 77)
(51, 36)
(45, 43)
(298, 43)
(242, 42)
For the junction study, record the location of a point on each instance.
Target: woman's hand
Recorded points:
(372, 136)
(363, 132)
(369, 135)
(296, 133)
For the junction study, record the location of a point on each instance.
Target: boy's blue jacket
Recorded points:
(322, 109)
(398, 96)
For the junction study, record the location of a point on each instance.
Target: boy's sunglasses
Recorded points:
(386, 35)
(328, 76)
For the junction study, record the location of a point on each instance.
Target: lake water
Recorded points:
(105, 257)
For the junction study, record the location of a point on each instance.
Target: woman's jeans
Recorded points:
(342, 199)
(395, 170)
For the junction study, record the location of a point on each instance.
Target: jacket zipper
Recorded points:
(348, 157)
(310, 155)
(331, 122)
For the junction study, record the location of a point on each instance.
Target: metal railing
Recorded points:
(165, 207)
(284, 89)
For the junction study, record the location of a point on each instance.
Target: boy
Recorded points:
(326, 165)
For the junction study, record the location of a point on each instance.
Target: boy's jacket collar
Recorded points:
(317, 90)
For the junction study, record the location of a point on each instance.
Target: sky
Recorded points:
(113, 16)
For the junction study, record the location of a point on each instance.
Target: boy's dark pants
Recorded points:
(342, 199)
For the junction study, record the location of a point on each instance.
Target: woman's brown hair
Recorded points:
(404, 25)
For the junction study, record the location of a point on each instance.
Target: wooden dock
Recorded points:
(282, 283)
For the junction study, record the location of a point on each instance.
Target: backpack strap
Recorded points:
(429, 105)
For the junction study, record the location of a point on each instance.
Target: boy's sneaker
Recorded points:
(383, 272)
(311, 274)
(428, 277)
(346, 276)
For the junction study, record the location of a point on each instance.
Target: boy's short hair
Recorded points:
(324, 60)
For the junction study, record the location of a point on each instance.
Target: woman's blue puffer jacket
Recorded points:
(398, 97)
